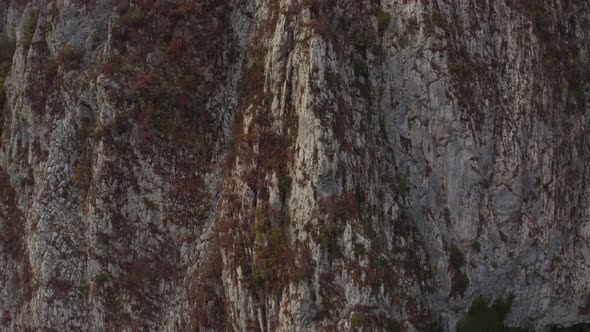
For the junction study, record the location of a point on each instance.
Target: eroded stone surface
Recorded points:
(293, 165)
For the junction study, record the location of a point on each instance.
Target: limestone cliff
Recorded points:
(293, 165)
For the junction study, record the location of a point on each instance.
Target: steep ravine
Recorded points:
(294, 165)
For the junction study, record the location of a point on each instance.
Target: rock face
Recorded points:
(287, 165)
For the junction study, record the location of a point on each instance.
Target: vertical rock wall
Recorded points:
(293, 165)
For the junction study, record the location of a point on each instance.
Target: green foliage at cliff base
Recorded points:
(483, 317)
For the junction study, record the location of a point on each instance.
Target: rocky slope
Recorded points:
(287, 165)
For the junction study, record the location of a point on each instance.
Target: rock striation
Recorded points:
(294, 165)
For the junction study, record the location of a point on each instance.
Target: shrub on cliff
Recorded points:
(383, 21)
(2, 95)
(30, 27)
(457, 259)
(483, 317)
(7, 48)
(70, 57)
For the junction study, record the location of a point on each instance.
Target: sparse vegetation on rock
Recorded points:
(202, 165)
(485, 317)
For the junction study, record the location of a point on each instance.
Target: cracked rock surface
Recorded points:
(294, 165)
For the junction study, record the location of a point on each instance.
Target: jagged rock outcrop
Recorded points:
(286, 165)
